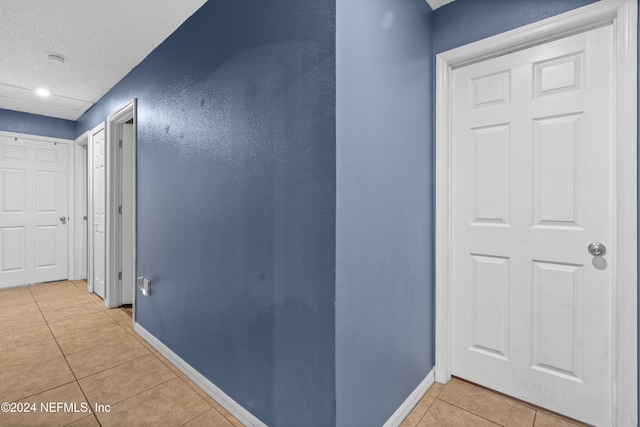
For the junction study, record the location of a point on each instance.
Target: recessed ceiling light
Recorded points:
(43, 92)
(56, 57)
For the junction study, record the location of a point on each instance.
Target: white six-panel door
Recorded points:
(34, 191)
(98, 210)
(532, 183)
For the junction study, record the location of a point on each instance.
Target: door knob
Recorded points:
(597, 249)
(63, 220)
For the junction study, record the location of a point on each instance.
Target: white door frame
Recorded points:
(623, 16)
(113, 251)
(80, 230)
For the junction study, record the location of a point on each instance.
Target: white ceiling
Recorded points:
(102, 40)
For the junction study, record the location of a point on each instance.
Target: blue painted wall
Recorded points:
(15, 121)
(384, 243)
(236, 201)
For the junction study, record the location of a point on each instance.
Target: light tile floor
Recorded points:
(460, 403)
(58, 344)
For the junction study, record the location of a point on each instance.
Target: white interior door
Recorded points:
(126, 216)
(98, 211)
(34, 204)
(80, 207)
(532, 185)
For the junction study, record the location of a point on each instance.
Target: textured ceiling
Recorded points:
(102, 40)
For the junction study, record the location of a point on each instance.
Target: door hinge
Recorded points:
(120, 275)
(119, 209)
(120, 143)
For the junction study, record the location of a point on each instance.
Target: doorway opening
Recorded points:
(111, 205)
(121, 241)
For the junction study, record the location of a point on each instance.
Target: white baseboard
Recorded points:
(406, 407)
(244, 416)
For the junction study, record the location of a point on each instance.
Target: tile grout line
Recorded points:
(111, 367)
(127, 329)
(143, 391)
(66, 360)
(524, 403)
(427, 411)
(115, 366)
(472, 413)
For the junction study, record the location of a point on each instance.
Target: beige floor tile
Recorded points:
(16, 300)
(19, 310)
(82, 324)
(170, 404)
(78, 408)
(124, 381)
(170, 365)
(90, 421)
(52, 304)
(142, 341)
(109, 333)
(10, 310)
(76, 310)
(547, 420)
(102, 357)
(486, 404)
(60, 284)
(96, 299)
(47, 287)
(14, 323)
(120, 316)
(419, 410)
(80, 284)
(436, 389)
(229, 417)
(28, 355)
(15, 296)
(55, 290)
(444, 414)
(22, 383)
(200, 392)
(68, 296)
(211, 418)
(25, 337)
(14, 292)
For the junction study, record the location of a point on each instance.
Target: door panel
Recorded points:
(532, 185)
(99, 207)
(127, 227)
(34, 179)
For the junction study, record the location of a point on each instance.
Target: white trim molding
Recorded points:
(411, 401)
(438, 3)
(622, 14)
(113, 251)
(241, 414)
(80, 223)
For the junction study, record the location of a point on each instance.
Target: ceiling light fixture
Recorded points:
(43, 92)
(56, 58)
